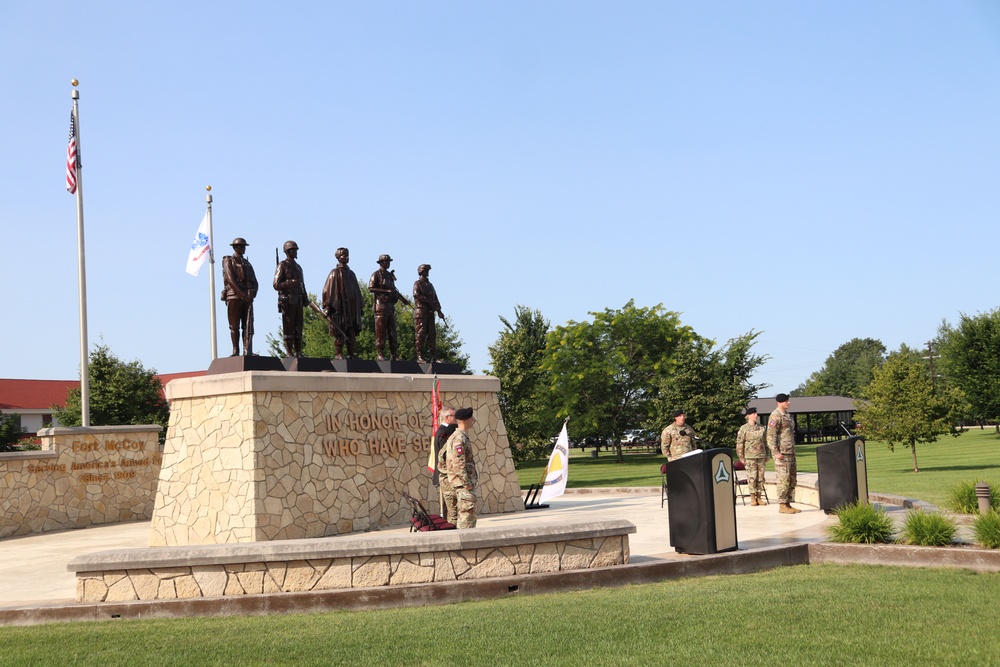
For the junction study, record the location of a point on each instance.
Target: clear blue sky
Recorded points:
(815, 171)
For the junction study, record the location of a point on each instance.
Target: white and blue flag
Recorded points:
(557, 472)
(200, 248)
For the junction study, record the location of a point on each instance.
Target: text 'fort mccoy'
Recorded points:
(376, 434)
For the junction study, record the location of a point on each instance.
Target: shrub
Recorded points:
(861, 523)
(962, 498)
(987, 530)
(928, 529)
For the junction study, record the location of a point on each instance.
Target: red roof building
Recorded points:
(34, 399)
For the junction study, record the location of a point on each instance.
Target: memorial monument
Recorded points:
(264, 455)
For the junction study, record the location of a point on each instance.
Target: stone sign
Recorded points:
(80, 477)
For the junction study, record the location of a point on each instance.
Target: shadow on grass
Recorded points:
(995, 469)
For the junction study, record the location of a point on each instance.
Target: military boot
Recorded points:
(787, 509)
(235, 336)
(755, 499)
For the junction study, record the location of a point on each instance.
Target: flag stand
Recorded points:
(533, 491)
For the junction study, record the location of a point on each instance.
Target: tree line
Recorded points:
(622, 369)
(911, 396)
(632, 367)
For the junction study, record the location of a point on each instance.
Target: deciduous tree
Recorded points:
(121, 393)
(970, 360)
(901, 408)
(525, 397)
(10, 431)
(847, 371)
(712, 385)
(606, 372)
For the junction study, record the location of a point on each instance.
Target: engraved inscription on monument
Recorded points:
(376, 434)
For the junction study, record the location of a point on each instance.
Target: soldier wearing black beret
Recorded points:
(457, 464)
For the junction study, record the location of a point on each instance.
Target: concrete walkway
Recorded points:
(33, 569)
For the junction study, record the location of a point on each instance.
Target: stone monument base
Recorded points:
(362, 561)
(258, 456)
(239, 364)
(307, 365)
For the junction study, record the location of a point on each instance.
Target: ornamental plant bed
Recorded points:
(958, 555)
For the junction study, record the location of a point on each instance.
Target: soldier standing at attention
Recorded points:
(239, 289)
(752, 451)
(781, 442)
(460, 470)
(292, 296)
(677, 438)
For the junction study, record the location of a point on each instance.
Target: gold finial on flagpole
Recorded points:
(74, 82)
(208, 188)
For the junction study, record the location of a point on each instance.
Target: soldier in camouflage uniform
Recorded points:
(781, 442)
(449, 501)
(678, 438)
(460, 471)
(752, 451)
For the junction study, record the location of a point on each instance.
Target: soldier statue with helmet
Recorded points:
(292, 298)
(425, 305)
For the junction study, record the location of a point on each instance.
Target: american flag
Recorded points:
(72, 163)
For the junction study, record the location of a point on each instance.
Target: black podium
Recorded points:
(843, 473)
(701, 502)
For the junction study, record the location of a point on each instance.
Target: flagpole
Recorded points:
(211, 276)
(82, 271)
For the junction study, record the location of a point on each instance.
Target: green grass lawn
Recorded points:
(803, 615)
(943, 464)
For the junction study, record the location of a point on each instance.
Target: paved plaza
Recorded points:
(33, 570)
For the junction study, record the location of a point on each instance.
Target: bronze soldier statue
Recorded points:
(292, 297)
(240, 288)
(343, 304)
(382, 285)
(426, 304)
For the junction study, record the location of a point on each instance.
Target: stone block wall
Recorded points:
(259, 456)
(340, 563)
(80, 477)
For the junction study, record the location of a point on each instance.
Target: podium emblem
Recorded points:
(722, 474)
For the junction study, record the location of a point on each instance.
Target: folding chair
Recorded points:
(741, 485)
(422, 520)
(663, 484)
